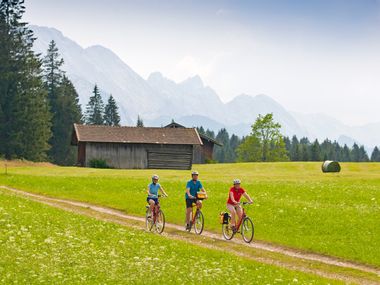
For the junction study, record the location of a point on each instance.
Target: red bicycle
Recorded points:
(245, 226)
(155, 219)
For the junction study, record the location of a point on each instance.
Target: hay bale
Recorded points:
(330, 166)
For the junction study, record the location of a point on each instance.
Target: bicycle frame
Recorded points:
(242, 218)
(194, 214)
(156, 209)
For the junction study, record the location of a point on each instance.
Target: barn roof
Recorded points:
(108, 134)
(202, 136)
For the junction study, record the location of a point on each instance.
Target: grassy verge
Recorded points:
(296, 205)
(40, 244)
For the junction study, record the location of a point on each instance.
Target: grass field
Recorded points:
(295, 203)
(43, 245)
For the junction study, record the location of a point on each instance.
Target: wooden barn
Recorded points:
(136, 147)
(203, 152)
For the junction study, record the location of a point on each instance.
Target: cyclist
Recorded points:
(233, 202)
(152, 190)
(193, 186)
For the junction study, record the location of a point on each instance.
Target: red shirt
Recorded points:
(237, 195)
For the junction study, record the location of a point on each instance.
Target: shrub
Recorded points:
(98, 163)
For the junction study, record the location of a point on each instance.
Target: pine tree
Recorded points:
(346, 154)
(315, 151)
(68, 113)
(355, 153)
(375, 156)
(24, 112)
(111, 113)
(295, 149)
(63, 101)
(53, 74)
(224, 153)
(363, 156)
(95, 109)
(210, 134)
(140, 122)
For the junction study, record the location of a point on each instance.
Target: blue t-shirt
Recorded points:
(194, 188)
(153, 189)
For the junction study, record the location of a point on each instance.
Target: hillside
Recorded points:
(158, 99)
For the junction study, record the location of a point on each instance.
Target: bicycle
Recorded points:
(157, 218)
(197, 218)
(245, 225)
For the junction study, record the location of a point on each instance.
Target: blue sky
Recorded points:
(311, 56)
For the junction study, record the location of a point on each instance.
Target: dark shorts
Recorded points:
(189, 202)
(154, 199)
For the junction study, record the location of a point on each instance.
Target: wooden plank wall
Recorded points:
(140, 156)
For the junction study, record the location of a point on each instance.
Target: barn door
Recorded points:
(169, 160)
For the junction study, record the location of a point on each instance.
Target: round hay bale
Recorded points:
(330, 166)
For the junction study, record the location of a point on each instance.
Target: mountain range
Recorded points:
(158, 99)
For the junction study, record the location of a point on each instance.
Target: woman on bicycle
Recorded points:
(153, 188)
(233, 202)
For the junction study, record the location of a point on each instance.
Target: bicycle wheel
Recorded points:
(227, 231)
(148, 220)
(247, 230)
(199, 223)
(160, 222)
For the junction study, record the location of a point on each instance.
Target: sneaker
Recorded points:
(187, 227)
(234, 230)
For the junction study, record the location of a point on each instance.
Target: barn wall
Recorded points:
(208, 149)
(141, 156)
(81, 154)
(198, 155)
(203, 152)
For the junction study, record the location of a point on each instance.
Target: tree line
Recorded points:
(266, 143)
(38, 102)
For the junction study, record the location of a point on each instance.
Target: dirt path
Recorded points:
(304, 261)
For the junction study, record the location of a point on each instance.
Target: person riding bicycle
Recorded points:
(193, 186)
(152, 190)
(233, 202)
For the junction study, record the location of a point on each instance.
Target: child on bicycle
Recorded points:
(233, 202)
(193, 186)
(152, 190)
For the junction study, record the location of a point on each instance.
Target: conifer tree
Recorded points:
(53, 74)
(140, 122)
(315, 151)
(95, 109)
(68, 113)
(375, 156)
(363, 156)
(111, 113)
(224, 153)
(64, 106)
(24, 112)
(355, 153)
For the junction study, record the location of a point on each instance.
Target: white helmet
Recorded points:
(155, 176)
(194, 173)
(237, 181)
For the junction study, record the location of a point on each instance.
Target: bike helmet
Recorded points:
(194, 173)
(155, 176)
(237, 181)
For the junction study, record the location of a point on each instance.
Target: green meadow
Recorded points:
(296, 205)
(43, 245)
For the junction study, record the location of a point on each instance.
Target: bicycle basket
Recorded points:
(225, 218)
(201, 196)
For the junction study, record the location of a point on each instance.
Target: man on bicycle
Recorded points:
(193, 186)
(233, 202)
(152, 190)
